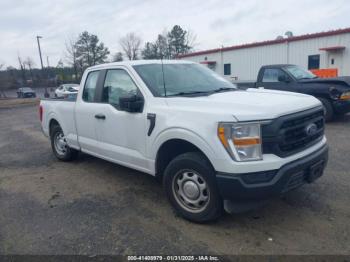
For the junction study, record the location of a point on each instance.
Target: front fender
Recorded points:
(183, 134)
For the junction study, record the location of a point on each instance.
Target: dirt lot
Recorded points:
(14, 102)
(92, 207)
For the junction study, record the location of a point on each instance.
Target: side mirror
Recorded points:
(131, 104)
(283, 78)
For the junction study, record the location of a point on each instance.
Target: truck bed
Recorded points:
(63, 111)
(67, 99)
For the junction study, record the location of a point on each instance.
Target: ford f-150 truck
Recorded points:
(206, 140)
(334, 93)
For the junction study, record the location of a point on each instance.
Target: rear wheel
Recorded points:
(189, 182)
(59, 145)
(328, 109)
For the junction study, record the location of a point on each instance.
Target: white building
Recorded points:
(323, 50)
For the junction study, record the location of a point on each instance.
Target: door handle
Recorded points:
(100, 116)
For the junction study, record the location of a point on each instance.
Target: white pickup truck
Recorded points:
(205, 139)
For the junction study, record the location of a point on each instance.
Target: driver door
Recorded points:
(121, 135)
(272, 79)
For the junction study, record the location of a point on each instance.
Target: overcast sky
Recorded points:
(215, 22)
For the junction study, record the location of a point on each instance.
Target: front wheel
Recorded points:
(189, 182)
(60, 147)
(328, 109)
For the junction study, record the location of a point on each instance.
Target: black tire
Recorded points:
(69, 153)
(329, 112)
(197, 164)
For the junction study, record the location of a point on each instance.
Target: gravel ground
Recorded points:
(91, 206)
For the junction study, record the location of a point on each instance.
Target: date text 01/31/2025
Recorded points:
(173, 258)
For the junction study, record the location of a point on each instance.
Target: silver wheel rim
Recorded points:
(60, 143)
(190, 191)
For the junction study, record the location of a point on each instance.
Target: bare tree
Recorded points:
(30, 63)
(117, 57)
(71, 54)
(22, 68)
(2, 92)
(190, 39)
(131, 45)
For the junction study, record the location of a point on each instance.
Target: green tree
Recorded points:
(157, 50)
(90, 51)
(169, 44)
(178, 41)
(163, 47)
(149, 51)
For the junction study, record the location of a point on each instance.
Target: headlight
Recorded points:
(241, 140)
(345, 96)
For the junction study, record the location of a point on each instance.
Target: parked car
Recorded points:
(187, 126)
(334, 93)
(66, 89)
(25, 92)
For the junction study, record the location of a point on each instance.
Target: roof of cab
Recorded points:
(140, 62)
(277, 65)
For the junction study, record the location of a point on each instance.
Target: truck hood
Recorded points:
(246, 105)
(344, 80)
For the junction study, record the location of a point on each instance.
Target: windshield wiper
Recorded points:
(307, 78)
(224, 89)
(189, 93)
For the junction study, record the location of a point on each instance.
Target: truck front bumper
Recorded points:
(341, 107)
(271, 183)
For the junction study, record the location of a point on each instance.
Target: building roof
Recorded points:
(270, 42)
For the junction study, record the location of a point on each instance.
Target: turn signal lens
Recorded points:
(345, 96)
(221, 134)
(246, 141)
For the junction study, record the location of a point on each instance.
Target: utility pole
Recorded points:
(42, 66)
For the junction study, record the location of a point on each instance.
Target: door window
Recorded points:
(314, 62)
(272, 75)
(90, 86)
(117, 84)
(227, 69)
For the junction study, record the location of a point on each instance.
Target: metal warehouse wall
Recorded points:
(300, 50)
(246, 62)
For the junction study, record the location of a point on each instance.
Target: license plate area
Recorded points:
(315, 171)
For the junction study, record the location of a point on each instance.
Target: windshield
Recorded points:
(181, 79)
(300, 73)
(72, 89)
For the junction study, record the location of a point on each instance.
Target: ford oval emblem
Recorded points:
(311, 129)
